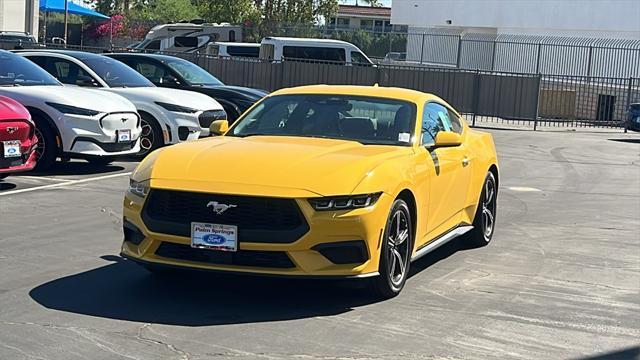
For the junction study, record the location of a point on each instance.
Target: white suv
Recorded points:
(168, 116)
(70, 122)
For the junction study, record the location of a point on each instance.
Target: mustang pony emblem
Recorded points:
(219, 208)
(12, 129)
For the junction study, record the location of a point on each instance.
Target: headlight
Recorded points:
(139, 188)
(176, 108)
(68, 109)
(344, 202)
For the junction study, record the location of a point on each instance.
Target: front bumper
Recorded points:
(308, 256)
(98, 136)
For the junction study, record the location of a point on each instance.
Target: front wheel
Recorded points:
(47, 148)
(484, 220)
(395, 253)
(151, 137)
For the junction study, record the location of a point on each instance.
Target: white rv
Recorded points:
(283, 48)
(188, 36)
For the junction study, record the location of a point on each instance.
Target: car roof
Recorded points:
(373, 91)
(293, 40)
(151, 56)
(80, 55)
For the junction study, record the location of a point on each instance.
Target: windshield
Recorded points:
(366, 120)
(115, 73)
(18, 71)
(192, 73)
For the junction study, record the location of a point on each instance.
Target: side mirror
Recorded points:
(219, 127)
(447, 139)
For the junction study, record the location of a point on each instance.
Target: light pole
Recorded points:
(66, 15)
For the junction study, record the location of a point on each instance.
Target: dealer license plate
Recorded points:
(11, 148)
(214, 236)
(124, 135)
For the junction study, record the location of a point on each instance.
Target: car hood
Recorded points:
(320, 166)
(239, 91)
(150, 94)
(67, 95)
(12, 110)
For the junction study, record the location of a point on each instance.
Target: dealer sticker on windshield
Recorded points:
(11, 148)
(214, 236)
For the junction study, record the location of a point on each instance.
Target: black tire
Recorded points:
(47, 149)
(395, 252)
(485, 218)
(151, 137)
(100, 161)
(3, 176)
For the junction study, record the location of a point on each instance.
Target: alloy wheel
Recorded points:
(41, 146)
(147, 138)
(488, 207)
(398, 246)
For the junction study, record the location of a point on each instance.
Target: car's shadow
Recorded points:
(75, 168)
(629, 141)
(125, 291)
(4, 185)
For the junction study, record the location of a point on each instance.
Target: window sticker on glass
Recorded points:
(404, 137)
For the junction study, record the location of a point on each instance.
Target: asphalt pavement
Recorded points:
(560, 280)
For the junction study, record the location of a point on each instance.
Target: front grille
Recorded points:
(259, 219)
(207, 117)
(108, 147)
(264, 259)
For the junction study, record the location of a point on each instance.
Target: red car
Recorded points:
(17, 138)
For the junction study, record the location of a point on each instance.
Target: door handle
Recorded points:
(465, 161)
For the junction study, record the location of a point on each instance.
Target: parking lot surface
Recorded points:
(561, 278)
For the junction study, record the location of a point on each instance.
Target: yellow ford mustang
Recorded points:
(328, 181)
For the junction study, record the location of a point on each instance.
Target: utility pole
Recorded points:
(66, 21)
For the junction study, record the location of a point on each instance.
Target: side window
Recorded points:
(435, 118)
(359, 59)
(154, 45)
(70, 73)
(150, 70)
(456, 124)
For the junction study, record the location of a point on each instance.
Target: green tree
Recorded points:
(166, 10)
(231, 11)
(295, 13)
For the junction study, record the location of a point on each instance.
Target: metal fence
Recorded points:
(539, 100)
(527, 53)
(493, 96)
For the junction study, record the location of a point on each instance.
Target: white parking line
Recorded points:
(41, 178)
(66, 183)
(523, 189)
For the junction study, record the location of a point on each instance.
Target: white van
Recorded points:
(282, 48)
(233, 49)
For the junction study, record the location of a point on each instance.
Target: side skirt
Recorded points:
(443, 239)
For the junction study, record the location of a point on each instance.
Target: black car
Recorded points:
(633, 123)
(173, 72)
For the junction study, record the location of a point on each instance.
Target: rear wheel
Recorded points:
(485, 218)
(151, 136)
(47, 148)
(395, 253)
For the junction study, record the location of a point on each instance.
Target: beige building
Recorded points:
(376, 19)
(19, 15)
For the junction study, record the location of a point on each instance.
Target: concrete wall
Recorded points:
(19, 15)
(586, 18)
